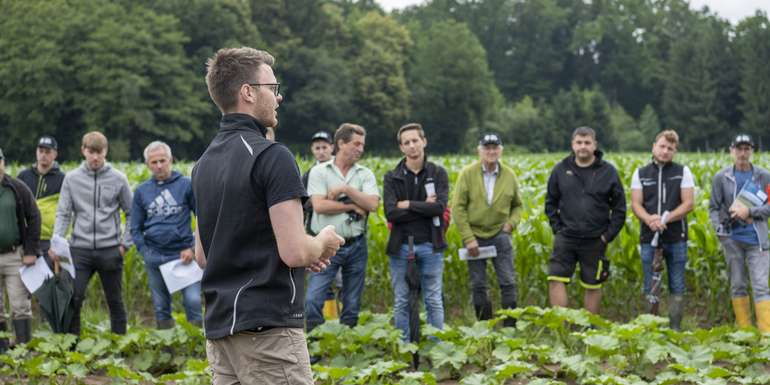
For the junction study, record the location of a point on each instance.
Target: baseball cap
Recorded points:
(322, 135)
(742, 139)
(490, 139)
(47, 142)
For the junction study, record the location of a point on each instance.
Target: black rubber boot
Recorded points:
(509, 321)
(483, 311)
(23, 329)
(3, 341)
(675, 312)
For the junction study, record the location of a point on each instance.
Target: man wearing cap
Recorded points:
(739, 210)
(321, 147)
(44, 179)
(92, 197)
(486, 209)
(343, 194)
(19, 237)
(661, 196)
(586, 208)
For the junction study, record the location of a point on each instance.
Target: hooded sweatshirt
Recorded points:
(95, 199)
(160, 215)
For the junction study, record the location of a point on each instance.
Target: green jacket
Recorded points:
(472, 216)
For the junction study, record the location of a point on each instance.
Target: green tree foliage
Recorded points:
(753, 35)
(380, 92)
(452, 86)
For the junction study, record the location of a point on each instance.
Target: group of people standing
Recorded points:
(85, 206)
(255, 244)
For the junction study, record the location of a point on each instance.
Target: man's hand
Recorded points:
(122, 250)
(655, 224)
(403, 205)
(431, 199)
(507, 228)
(741, 212)
(54, 257)
(186, 256)
(473, 248)
(330, 241)
(28, 260)
(336, 191)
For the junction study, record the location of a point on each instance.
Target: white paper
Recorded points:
(484, 253)
(430, 189)
(61, 248)
(34, 276)
(178, 275)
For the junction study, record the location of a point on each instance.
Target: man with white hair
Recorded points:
(162, 233)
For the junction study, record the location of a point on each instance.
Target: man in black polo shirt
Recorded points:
(250, 237)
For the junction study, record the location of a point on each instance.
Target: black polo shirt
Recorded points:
(239, 177)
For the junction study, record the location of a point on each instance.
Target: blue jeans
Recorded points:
(161, 298)
(675, 255)
(431, 265)
(351, 258)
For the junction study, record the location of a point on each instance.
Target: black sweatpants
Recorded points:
(109, 264)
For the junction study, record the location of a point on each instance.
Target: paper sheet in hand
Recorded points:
(750, 196)
(484, 253)
(34, 276)
(61, 247)
(178, 275)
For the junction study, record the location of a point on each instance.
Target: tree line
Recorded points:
(531, 70)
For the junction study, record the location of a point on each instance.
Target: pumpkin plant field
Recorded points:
(547, 346)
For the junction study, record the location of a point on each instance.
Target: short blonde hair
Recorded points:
(95, 141)
(670, 135)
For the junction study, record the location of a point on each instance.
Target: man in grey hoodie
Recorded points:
(95, 193)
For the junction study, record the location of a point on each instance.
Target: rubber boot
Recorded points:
(763, 316)
(165, 324)
(483, 311)
(742, 309)
(330, 309)
(23, 329)
(3, 341)
(675, 311)
(509, 321)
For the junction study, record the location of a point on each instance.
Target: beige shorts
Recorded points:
(274, 357)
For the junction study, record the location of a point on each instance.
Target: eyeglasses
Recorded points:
(275, 87)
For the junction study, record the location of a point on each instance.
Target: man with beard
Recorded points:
(92, 196)
(586, 208)
(659, 187)
(343, 194)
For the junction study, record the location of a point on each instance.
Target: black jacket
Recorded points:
(585, 208)
(395, 189)
(661, 192)
(245, 284)
(27, 215)
(42, 185)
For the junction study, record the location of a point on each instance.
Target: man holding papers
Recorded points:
(486, 210)
(738, 211)
(19, 237)
(415, 197)
(160, 228)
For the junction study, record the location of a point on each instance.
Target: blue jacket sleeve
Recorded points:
(137, 221)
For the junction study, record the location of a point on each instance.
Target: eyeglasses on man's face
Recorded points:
(274, 87)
